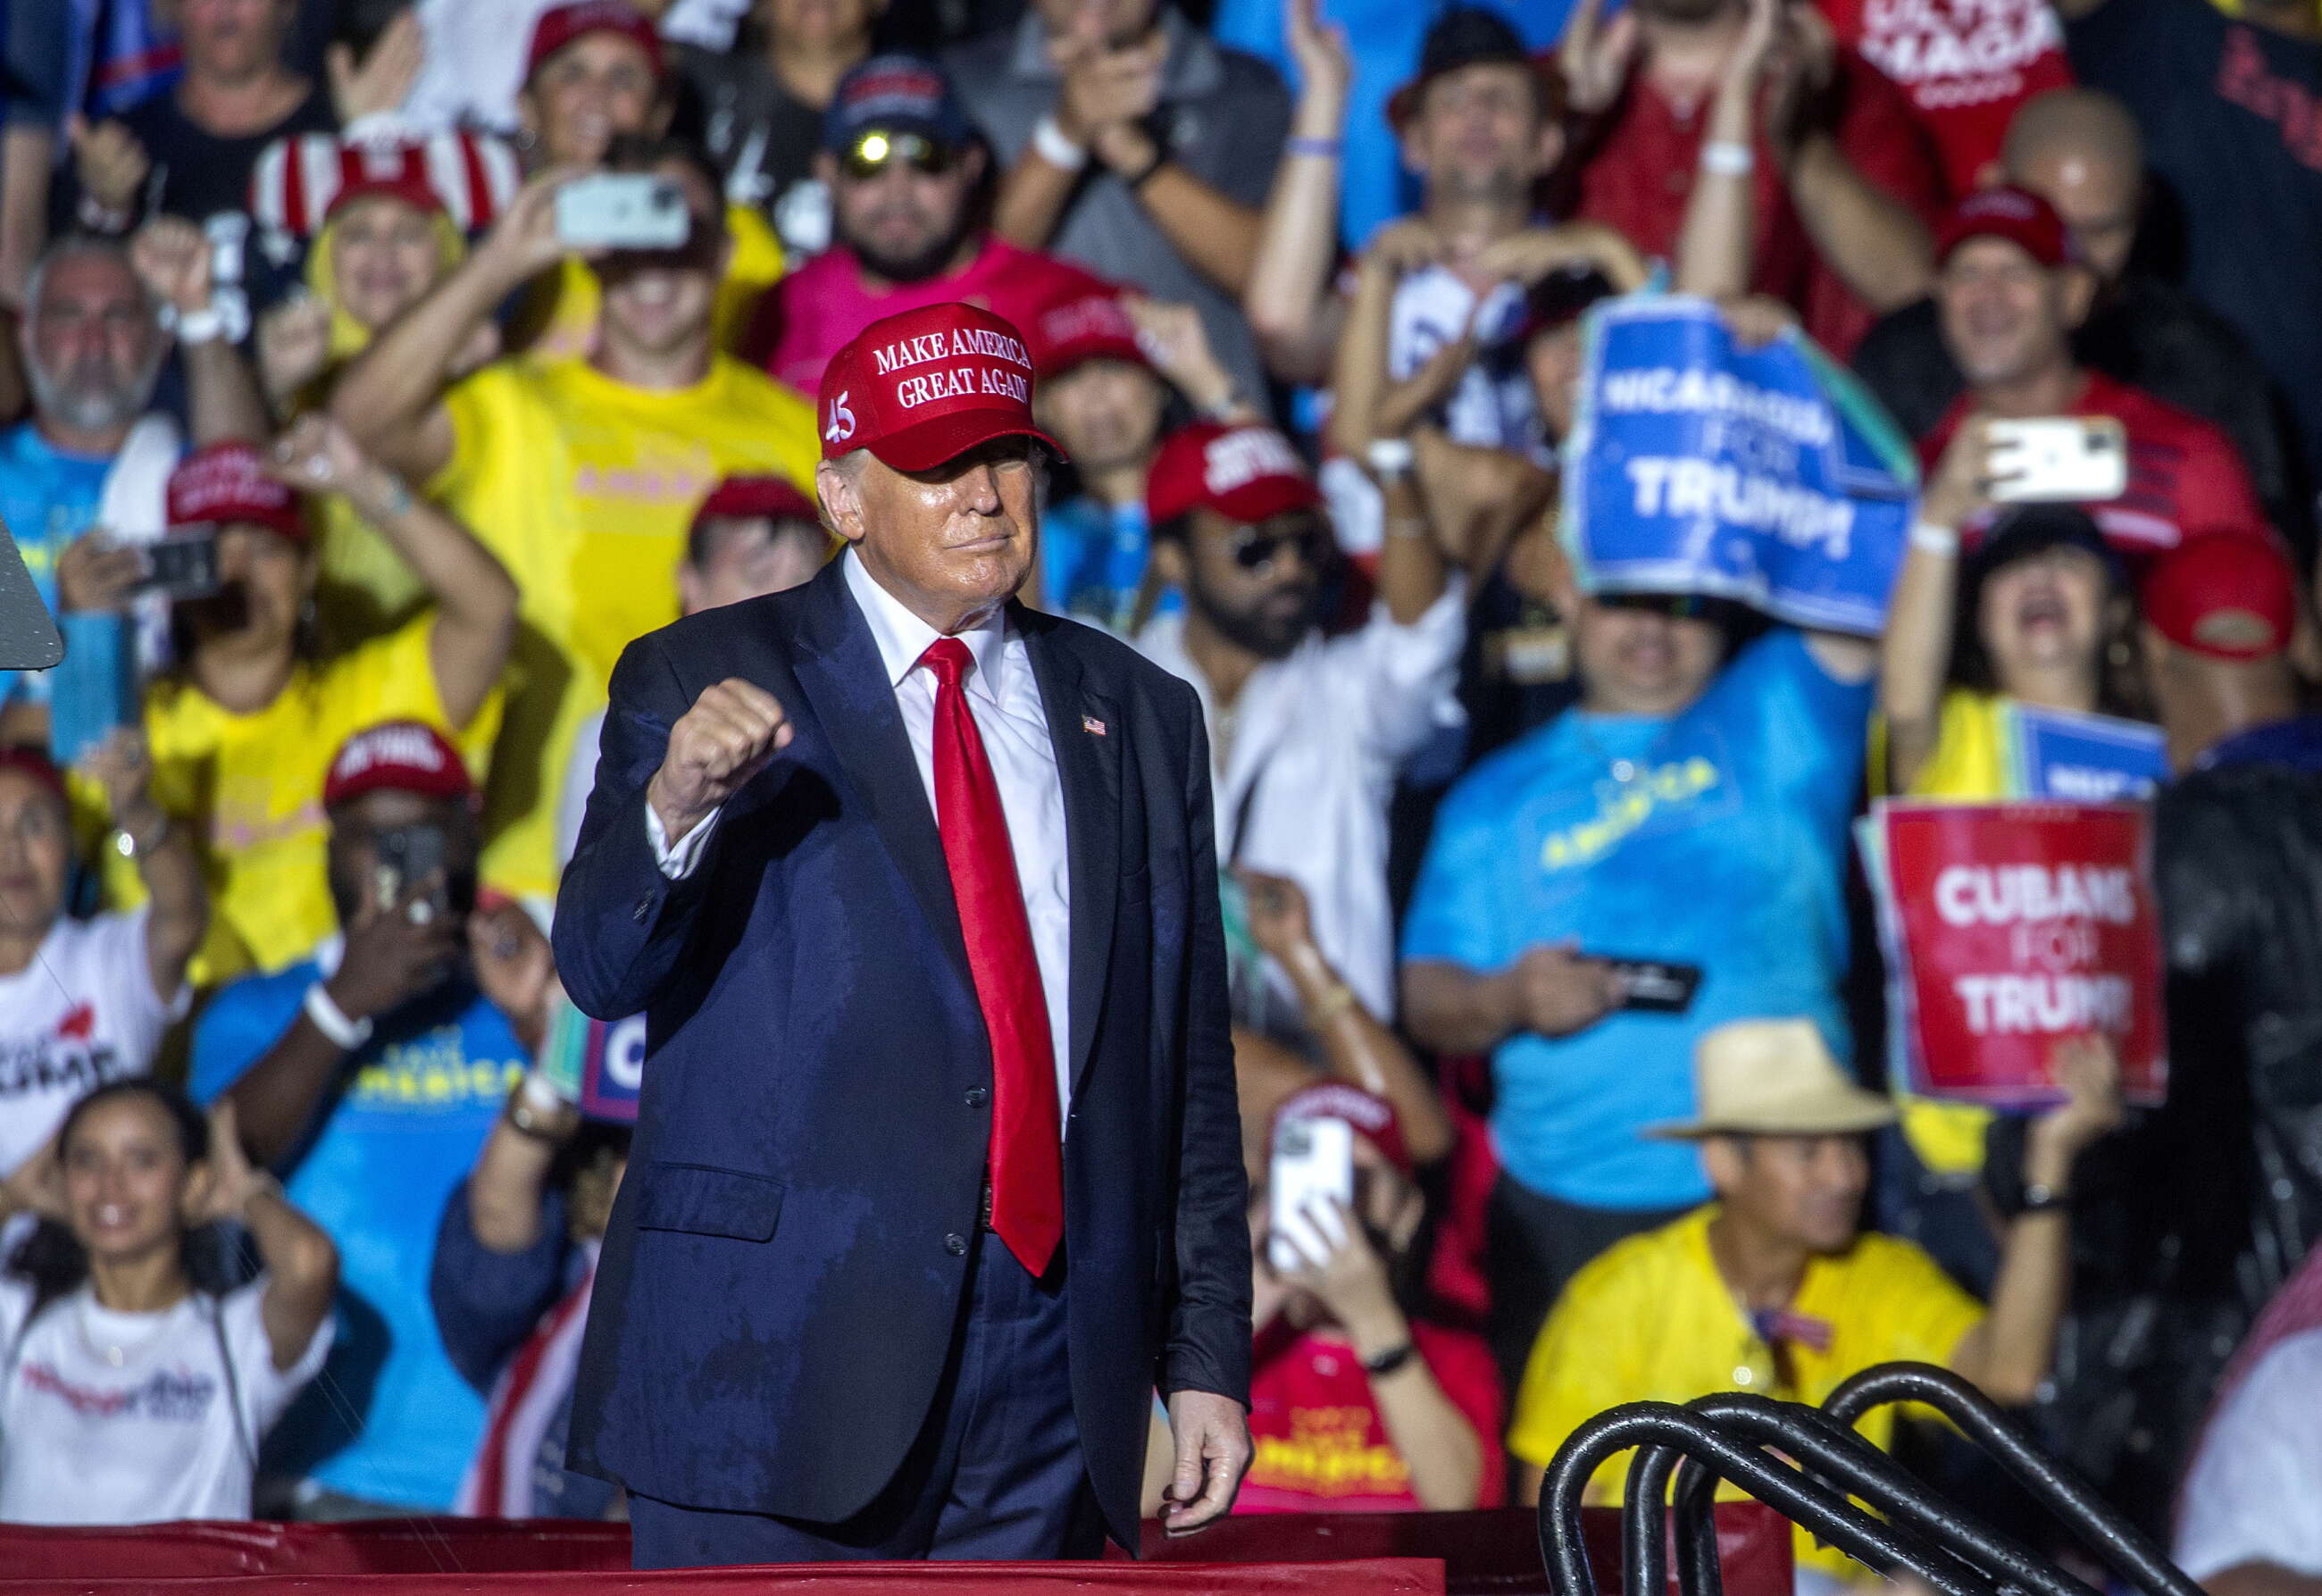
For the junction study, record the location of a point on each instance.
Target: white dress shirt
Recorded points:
(1004, 697)
(2254, 1492)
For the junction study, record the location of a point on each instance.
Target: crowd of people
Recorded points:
(350, 461)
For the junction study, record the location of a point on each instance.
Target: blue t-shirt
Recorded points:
(389, 1419)
(1725, 848)
(1092, 557)
(47, 498)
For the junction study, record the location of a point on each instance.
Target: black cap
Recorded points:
(1464, 36)
(2022, 531)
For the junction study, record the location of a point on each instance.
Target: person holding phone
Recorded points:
(243, 728)
(369, 1077)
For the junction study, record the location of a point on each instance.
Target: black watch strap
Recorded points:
(1389, 1361)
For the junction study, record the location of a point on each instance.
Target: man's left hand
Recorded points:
(2089, 1069)
(1211, 1436)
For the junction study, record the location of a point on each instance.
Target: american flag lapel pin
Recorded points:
(1091, 725)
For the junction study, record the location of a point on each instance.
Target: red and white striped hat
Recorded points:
(300, 180)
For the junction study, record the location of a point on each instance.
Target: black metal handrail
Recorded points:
(1790, 1492)
(2119, 1545)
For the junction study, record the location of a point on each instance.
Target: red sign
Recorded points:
(2009, 927)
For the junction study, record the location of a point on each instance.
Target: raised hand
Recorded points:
(96, 574)
(123, 766)
(294, 345)
(384, 77)
(317, 455)
(394, 951)
(1325, 65)
(172, 259)
(733, 732)
(109, 161)
(1595, 56)
(1275, 910)
(522, 243)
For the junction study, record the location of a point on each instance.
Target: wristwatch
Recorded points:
(1389, 1361)
(2041, 1199)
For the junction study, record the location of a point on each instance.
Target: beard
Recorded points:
(918, 265)
(1268, 637)
(91, 396)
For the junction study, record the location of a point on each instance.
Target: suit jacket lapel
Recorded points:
(845, 683)
(1086, 730)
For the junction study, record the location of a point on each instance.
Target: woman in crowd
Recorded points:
(85, 1002)
(134, 1384)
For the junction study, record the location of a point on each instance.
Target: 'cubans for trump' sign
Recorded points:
(1764, 475)
(2009, 927)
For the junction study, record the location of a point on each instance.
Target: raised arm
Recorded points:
(176, 909)
(172, 258)
(1874, 243)
(1359, 379)
(302, 1266)
(1289, 302)
(1915, 655)
(475, 598)
(1714, 246)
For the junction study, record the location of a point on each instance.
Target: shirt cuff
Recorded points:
(677, 861)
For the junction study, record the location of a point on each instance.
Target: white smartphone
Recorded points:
(1313, 1162)
(622, 211)
(2048, 459)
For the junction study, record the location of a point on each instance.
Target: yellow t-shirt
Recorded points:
(1652, 1320)
(364, 588)
(249, 787)
(570, 299)
(584, 489)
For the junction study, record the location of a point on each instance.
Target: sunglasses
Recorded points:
(1257, 552)
(878, 150)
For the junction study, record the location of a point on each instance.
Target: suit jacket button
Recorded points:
(955, 1244)
(642, 912)
(976, 1097)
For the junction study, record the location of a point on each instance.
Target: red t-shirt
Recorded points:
(2184, 475)
(1321, 1446)
(809, 316)
(1636, 168)
(1966, 65)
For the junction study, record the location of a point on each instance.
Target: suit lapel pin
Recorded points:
(1091, 725)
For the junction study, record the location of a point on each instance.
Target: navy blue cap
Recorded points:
(895, 93)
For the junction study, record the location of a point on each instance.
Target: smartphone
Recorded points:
(1313, 1162)
(1654, 986)
(411, 854)
(182, 565)
(622, 211)
(2051, 460)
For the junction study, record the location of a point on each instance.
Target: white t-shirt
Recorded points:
(2254, 1492)
(84, 1440)
(82, 1014)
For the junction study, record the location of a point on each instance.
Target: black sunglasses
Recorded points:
(877, 150)
(1255, 551)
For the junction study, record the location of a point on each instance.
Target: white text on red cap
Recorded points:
(1236, 460)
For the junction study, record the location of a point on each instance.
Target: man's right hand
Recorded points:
(731, 733)
(522, 243)
(1962, 481)
(1555, 991)
(394, 953)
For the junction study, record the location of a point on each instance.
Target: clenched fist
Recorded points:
(732, 729)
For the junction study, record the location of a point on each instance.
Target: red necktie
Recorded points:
(1028, 1177)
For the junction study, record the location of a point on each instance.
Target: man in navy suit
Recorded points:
(938, 1173)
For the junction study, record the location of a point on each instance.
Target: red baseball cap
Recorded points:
(228, 482)
(776, 498)
(2017, 214)
(927, 385)
(1081, 323)
(30, 761)
(560, 25)
(2230, 595)
(397, 756)
(1373, 1117)
(1245, 472)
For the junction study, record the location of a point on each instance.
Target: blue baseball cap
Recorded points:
(895, 93)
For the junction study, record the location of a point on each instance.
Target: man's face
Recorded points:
(264, 582)
(597, 87)
(1805, 1190)
(904, 219)
(658, 302)
(2097, 198)
(956, 540)
(233, 39)
(820, 23)
(1258, 585)
(2043, 612)
(2006, 317)
(358, 887)
(1107, 413)
(1638, 657)
(1478, 133)
(749, 557)
(92, 348)
(1552, 360)
(1124, 21)
(35, 854)
(384, 255)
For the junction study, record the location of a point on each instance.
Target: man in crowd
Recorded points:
(1306, 731)
(2009, 292)
(1781, 1132)
(1136, 145)
(1690, 808)
(581, 474)
(903, 167)
(1845, 182)
(368, 1076)
(2079, 150)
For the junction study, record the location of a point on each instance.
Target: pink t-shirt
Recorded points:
(808, 316)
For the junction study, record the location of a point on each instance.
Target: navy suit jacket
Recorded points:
(782, 1279)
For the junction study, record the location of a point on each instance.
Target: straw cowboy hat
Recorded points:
(1773, 1077)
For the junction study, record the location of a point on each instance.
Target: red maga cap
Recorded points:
(774, 497)
(2230, 595)
(1083, 323)
(397, 756)
(228, 482)
(927, 385)
(1246, 473)
(2016, 214)
(32, 762)
(560, 25)
(1372, 1117)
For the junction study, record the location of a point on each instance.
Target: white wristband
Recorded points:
(1728, 158)
(1934, 537)
(1051, 144)
(332, 1020)
(205, 325)
(1389, 457)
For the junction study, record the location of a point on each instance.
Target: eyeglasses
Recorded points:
(1255, 551)
(878, 150)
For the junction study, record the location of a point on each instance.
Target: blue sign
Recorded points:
(1764, 475)
(2084, 759)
